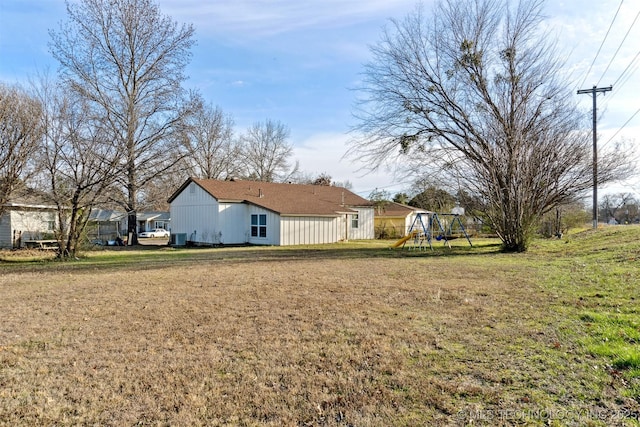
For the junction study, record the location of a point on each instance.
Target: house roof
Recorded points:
(393, 209)
(107, 215)
(25, 197)
(156, 215)
(285, 199)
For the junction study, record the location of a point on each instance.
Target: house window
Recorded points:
(258, 225)
(354, 221)
(192, 188)
(51, 225)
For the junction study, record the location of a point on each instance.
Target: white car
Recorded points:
(156, 232)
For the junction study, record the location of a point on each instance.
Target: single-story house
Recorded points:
(28, 216)
(393, 220)
(107, 224)
(149, 220)
(208, 211)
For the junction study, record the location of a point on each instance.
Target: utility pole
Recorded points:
(594, 91)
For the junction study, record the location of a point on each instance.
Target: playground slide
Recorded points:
(404, 239)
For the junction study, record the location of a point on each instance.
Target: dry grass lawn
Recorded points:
(295, 338)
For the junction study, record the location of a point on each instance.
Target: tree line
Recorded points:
(116, 126)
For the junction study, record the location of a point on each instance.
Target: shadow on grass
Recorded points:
(143, 257)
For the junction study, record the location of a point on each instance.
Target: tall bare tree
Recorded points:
(20, 137)
(266, 152)
(80, 161)
(207, 138)
(128, 61)
(475, 91)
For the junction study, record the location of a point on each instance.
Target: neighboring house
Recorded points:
(149, 220)
(393, 220)
(28, 216)
(267, 213)
(107, 224)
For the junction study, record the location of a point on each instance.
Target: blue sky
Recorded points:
(298, 61)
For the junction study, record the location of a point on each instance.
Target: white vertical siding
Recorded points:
(273, 226)
(305, 230)
(204, 220)
(234, 222)
(365, 228)
(344, 223)
(195, 213)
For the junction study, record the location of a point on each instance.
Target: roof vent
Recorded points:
(260, 193)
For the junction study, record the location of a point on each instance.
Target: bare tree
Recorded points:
(80, 162)
(266, 152)
(207, 138)
(619, 206)
(380, 199)
(313, 178)
(154, 195)
(475, 92)
(428, 195)
(322, 179)
(128, 61)
(20, 137)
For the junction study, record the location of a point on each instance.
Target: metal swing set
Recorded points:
(423, 233)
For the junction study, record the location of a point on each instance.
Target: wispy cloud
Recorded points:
(263, 18)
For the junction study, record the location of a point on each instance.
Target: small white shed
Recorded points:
(266, 213)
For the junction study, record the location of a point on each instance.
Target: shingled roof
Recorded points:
(285, 199)
(28, 197)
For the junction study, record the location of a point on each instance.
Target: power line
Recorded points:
(619, 46)
(622, 80)
(390, 187)
(626, 69)
(623, 126)
(601, 44)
